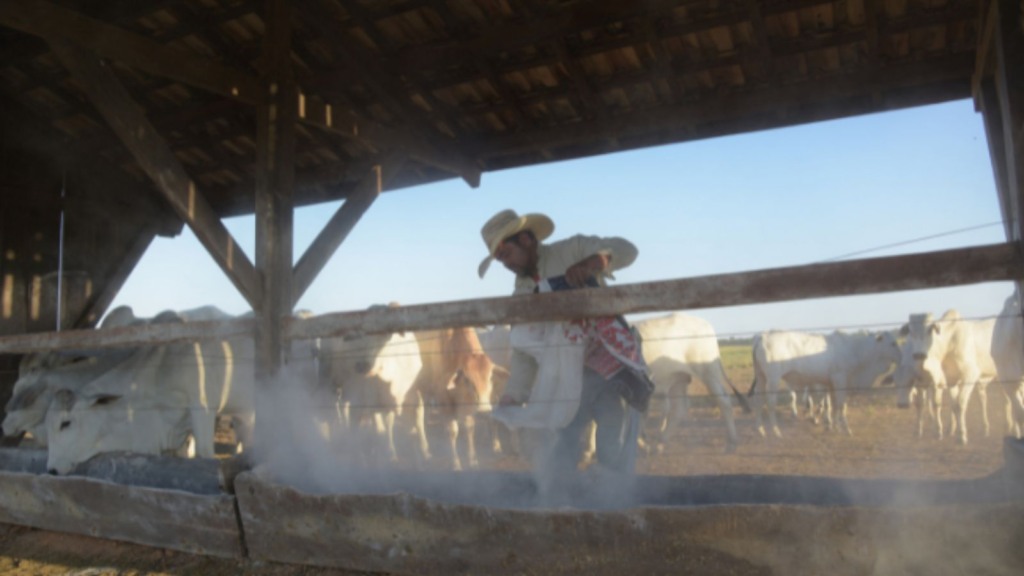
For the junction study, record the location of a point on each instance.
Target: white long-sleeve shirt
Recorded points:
(553, 260)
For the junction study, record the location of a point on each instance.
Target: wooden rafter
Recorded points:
(50, 21)
(157, 160)
(706, 24)
(761, 33)
(388, 90)
(752, 103)
(53, 22)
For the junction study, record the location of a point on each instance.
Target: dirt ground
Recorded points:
(883, 445)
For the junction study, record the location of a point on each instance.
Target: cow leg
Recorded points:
(794, 399)
(770, 395)
(716, 387)
(839, 405)
(983, 398)
(960, 409)
(414, 399)
(1011, 425)
(469, 431)
(389, 431)
(1017, 400)
(506, 440)
(827, 409)
(452, 427)
(589, 441)
(204, 424)
(677, 409)
(937, 406)
(824, 409)
(919, 399)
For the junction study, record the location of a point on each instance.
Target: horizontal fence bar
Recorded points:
(956, 267)
(873, 275)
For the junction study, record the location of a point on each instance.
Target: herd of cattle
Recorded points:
(164, 399)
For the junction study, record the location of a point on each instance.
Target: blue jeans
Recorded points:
(600, 402)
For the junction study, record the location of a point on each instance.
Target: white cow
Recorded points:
(1008, 354)
(677, 349)
(954, 353)
(838, 361)
(40, 374)
(153, 401)
(374, 376)
(458, 380)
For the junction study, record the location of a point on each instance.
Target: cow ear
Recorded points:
(936, 329)
(105, 399)
(905, 330)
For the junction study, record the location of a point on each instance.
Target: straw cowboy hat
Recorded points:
(505, 224)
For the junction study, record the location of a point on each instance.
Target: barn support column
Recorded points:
(275, 176)
(999, 94)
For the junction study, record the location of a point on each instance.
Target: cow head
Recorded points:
(26, 408)
(924, 338)
(122, 410)
(83, 424)
(470, 388)
(38, 377)
(74, 426)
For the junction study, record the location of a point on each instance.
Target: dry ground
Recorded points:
(884, 445)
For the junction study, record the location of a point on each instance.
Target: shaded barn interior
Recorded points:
(154, 114)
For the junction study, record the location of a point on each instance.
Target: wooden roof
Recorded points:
(467, 86)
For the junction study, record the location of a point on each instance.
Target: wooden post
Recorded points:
(1002, 45)
(275, 175)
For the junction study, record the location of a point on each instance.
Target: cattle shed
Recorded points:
(127, 120)
(123, 120)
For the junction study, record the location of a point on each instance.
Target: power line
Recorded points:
(911, 241)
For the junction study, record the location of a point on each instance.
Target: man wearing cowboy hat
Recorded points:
(516, 242)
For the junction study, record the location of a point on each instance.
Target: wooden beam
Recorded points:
(52, 22)
(158, 161)
(1008, 47)
(115, 279)
(146, 335)
(343, 221)
(957, 267)
(988, 103)
(983, 64)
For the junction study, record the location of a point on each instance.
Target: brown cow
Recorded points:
(456, 379)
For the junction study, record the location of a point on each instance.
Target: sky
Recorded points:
(766, 199)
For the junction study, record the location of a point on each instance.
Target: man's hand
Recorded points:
(578, 273)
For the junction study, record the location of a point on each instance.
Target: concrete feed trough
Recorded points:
(491, 523)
